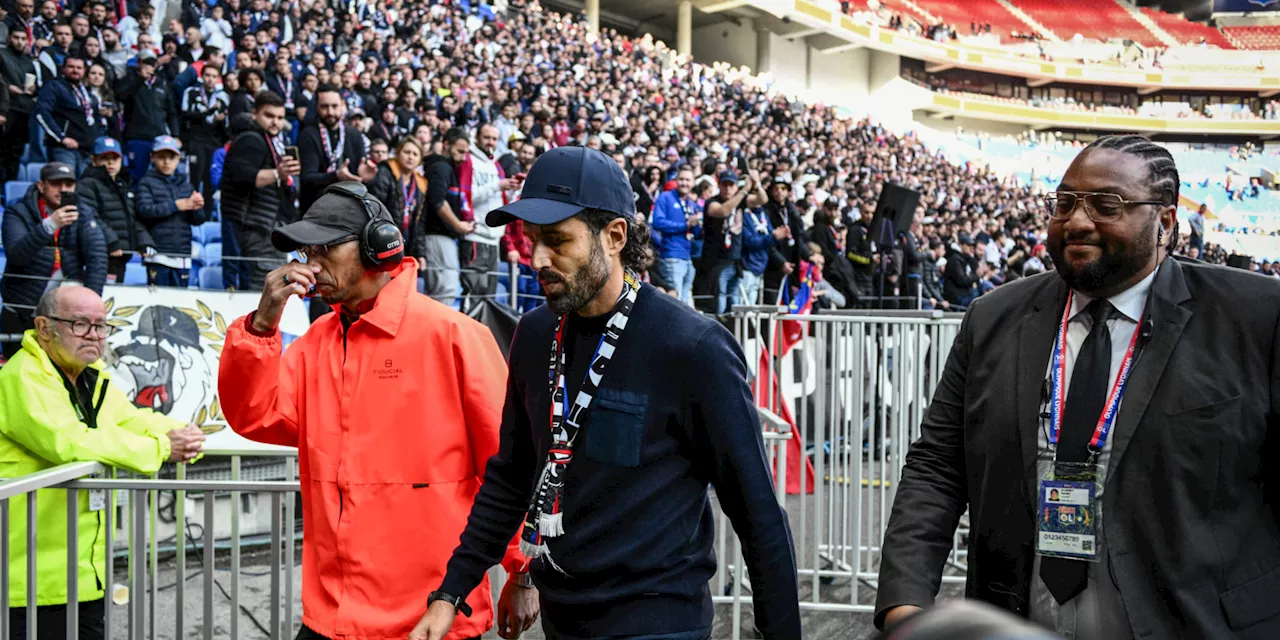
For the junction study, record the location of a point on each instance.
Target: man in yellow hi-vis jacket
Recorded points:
(57, 405)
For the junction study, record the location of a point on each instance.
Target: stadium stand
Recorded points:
(1186, 31)
(1261, 37)
(959, 15)
(1101, 19)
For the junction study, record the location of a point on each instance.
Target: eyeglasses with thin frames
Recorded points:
(313, 250)
(81, 328)
(1100, 207)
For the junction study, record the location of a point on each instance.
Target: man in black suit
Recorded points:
(330, 149)
(1188, 542)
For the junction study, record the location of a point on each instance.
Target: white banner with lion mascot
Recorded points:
(165, 350)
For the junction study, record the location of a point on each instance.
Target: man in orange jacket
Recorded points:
(394, 403)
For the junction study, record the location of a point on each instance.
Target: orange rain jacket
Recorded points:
(393, 433)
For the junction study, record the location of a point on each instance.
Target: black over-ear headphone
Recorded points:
(381, 245)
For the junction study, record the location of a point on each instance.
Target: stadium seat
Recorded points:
(212, 254)
(13, 191)
(30, 171)
(135, 273)
(211, 279)
(194, 281)
(197, 252)
(210, 232)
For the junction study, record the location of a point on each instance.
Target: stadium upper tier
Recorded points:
(961, 14)
(1188, 32)
(1102, 19)
(1084, 61)
(1265, 37)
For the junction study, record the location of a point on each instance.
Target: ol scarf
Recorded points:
(334, 155)
(546, 518)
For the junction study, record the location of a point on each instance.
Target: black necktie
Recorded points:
(1090, 382)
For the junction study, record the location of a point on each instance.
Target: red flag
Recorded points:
(769, 392)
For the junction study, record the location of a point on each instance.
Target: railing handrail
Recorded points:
(47, 478)
(125, 484)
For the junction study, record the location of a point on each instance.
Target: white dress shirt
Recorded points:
(1097, 612)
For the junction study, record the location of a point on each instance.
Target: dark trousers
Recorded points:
(16, 133)
(201, 157)
(234, 275)
(260, 257)
(696, 634)
(478, 262)
(116, 268)
(14, 321)
(139, 154)
(159, 275)
(305, 633)
(51, 621)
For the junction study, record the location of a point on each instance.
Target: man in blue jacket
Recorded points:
(759, 249)
(677, 216)
(46, 242)
(610, 495)
(68, 113)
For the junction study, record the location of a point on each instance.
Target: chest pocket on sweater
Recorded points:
(615, 428)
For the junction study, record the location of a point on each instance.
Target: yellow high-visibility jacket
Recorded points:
(39, 429)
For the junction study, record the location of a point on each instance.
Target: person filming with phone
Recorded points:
(47, 237)
(258, 185)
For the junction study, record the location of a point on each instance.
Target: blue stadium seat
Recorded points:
(212, 255)
(211, 232)
(13, 191)
(135, 273)
(31, 171)
(194, 281)
(211, 279)
(197, 252)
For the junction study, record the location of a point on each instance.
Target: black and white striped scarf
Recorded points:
(546, 518)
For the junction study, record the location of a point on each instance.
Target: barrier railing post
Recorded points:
(235, 550)
(275, 566)
(513, 289)
(180, 544)
(137, 553)
(109, 518)
(31, 565)
(290, 542)
(73, 564)
(209, 575)
(153, 555)
(4, 580)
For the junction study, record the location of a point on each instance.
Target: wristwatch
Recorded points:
(522, 580)
(458, 602)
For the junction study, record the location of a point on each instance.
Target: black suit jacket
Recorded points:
(1191, 496)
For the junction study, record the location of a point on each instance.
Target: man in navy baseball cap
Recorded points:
(565, 181)
(649, 403)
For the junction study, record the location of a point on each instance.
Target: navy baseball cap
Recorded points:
(565, 181)
(105, 145)
(728, 176)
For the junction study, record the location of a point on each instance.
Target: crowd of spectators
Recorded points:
(244, 110)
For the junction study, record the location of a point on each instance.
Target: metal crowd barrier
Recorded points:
(138, 500)
(857, 384)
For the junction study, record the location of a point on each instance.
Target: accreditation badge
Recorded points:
(1067, 517)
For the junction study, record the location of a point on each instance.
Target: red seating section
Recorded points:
(1259, 37)
(1101, 19)
(907, 11)
(1186, 31)
(960, 14)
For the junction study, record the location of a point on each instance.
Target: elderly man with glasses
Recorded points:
(57, 405)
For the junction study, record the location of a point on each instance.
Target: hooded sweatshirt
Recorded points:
(486, 196)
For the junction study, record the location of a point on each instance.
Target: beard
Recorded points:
(1118, 263)
(582, 286)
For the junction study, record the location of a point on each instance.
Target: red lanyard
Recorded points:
(1058, 375)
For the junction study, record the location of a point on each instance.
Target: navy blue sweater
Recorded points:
(673, 414)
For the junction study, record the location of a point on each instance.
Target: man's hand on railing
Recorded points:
(186, 443)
